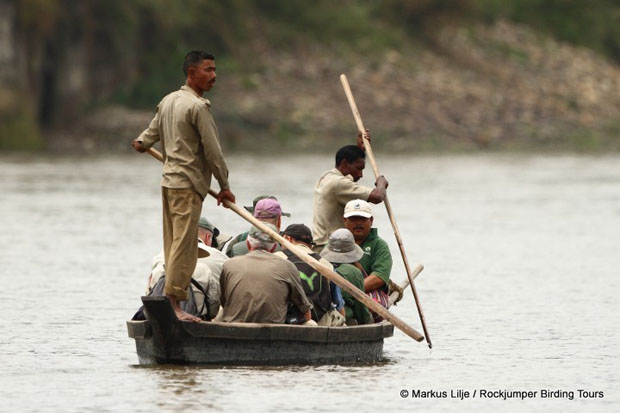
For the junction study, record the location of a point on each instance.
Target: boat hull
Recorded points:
(163, 339)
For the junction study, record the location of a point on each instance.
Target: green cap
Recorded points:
(204, 223)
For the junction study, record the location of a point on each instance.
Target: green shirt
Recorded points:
(353, 308)
(377, 259)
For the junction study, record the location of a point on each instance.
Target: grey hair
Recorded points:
(257, 244)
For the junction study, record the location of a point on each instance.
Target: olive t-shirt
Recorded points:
(256, 288)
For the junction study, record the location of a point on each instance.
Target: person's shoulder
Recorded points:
(280, 254)
(330, 177)
(347, 269)
(215, 253)
(189, 99)
(376, 239)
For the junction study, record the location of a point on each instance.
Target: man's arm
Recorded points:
(211, 145)
(149, 136)
(372, 282)
(378, 194)
(380, 267)
(213, 153)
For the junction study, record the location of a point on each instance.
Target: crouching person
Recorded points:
(257, 287)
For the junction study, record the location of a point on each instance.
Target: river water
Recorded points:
(519, 289)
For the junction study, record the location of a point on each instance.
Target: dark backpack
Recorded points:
(189, 305)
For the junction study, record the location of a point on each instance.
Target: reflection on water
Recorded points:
(519, 289)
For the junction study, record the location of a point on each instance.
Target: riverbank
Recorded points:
(499, 87)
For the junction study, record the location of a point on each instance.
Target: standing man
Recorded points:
(192, 153)
(338, 186)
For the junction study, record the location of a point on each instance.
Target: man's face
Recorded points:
(203, 74)
(359, 226)
(355, 168)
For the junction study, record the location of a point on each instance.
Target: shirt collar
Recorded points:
(337, 171)
(186, 88)
(373, 234)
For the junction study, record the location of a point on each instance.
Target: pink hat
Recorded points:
(267, 208)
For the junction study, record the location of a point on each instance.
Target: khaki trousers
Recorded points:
(181, 211)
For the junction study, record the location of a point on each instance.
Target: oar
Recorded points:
(371, 158)
(327, 272)
(410, 277)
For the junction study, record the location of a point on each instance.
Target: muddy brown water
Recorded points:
(520, 289)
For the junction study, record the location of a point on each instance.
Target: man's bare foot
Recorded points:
(181, 315)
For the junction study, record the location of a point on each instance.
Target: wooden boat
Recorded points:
(164, 339)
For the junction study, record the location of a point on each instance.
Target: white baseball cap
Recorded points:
(357, 208)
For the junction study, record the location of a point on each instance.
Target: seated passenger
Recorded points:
(342, 251)
(205, 285)
(257, 287)
(242, 237)
(326, 297)
(265, 210)
(215, 258)
(211, 235)
(377, 259)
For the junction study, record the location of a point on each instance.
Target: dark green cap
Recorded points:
(204, 223)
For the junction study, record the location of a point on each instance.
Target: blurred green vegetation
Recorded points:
(235, 29)
(134, 47)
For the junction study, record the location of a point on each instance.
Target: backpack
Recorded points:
(189, 305)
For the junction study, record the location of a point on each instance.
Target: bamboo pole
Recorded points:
(327, 272)
(371, 158)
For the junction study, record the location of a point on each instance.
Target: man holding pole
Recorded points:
(192, 154)
(338, 186)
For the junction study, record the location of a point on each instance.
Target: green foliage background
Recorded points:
(139, 43)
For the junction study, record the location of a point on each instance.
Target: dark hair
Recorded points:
(194, 57)
(351, 153)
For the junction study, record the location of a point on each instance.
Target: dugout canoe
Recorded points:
(164, 339)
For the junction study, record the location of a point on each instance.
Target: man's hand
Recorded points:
(137, 145)
(360, 139)
(225, 194)
(381, 182)
(378, 194)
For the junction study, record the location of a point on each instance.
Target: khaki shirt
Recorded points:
(331, 194)
(257, 287)
(189, 140)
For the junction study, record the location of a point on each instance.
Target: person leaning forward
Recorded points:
(343, 253)
(338, 186)
(257, 287)
(326, 296)
(192, 154)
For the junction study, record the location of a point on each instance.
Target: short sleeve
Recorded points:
(347, 190)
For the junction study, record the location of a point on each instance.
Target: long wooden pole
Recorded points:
(371, 157)
(327, 272)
